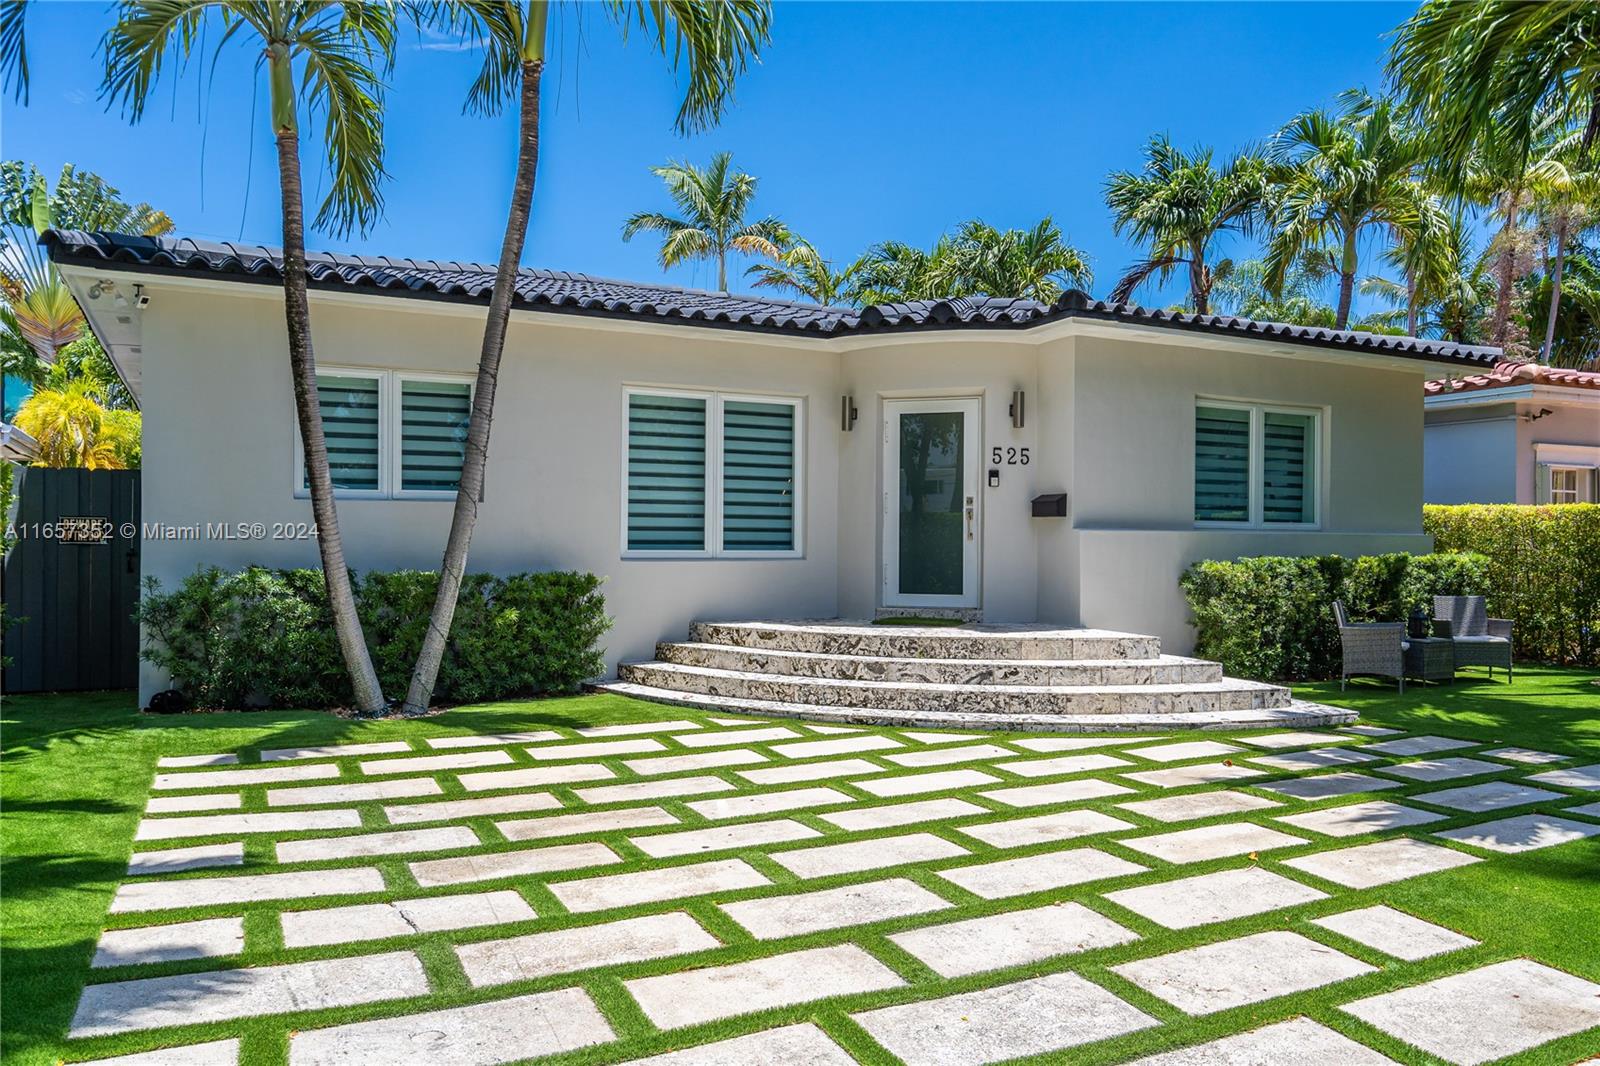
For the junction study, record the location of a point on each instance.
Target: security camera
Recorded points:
(141, 299)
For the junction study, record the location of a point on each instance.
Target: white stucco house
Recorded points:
(1514, 433)
(720, 456)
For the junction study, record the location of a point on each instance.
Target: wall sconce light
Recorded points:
(847, 413)
(1018, 402)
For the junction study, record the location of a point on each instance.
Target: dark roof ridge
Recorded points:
(577, 293)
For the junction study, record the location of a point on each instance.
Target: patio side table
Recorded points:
(1430, 658)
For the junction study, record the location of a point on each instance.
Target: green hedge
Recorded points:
(1271, 617)
(1544, 571)
(264, 638)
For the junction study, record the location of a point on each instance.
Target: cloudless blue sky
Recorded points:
(864, 121)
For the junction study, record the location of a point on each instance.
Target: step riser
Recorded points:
(1294, 716)
(890, 697)
(897, 642)
(942, 672)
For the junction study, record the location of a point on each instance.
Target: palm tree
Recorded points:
(1177, 205)
(1424, 254)
(1338, 176)
(712, 203)
(802, 270)
(710, 42)
(1491, 72)
(1575, 332)
(40, 309)
(14, 48)
(1034, 264)
(1511, 181)
(74, 430)
(896, 272)
(326, 56)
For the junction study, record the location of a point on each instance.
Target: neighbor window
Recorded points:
(391, 434)
(1571, 484)
(712, 474)
(1255, 465)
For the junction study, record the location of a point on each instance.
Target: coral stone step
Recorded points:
(1224, 695)
(1161, 670)
(974, 641)
(1295, 714)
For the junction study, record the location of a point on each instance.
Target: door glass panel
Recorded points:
(931, 504)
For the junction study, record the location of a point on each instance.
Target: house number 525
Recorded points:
(1008, 456)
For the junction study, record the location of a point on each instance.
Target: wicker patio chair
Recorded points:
(1477, 639)
(1373, 649)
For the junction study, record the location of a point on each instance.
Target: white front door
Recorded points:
(931, 520)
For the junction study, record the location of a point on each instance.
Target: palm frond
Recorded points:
(14, 48)
(709, 42)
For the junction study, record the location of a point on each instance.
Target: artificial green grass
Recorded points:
(78, 769)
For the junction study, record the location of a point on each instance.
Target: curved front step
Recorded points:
(1164, 670)
(1297, 714)
(982, 641)
(1225, 695)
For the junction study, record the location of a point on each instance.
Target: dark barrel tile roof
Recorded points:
(583, 294)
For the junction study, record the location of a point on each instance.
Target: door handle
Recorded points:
(970, 510)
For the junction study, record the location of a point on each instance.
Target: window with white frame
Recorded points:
(391, 433)
(1571, 484)
(712, 474)
(1255, 464)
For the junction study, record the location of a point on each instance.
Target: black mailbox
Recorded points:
(1050, 505)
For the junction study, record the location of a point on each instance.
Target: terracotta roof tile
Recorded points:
(1507, 374)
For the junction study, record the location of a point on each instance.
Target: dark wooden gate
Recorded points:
(74, 576)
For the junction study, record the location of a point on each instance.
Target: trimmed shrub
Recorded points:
(1544, 571)
(264, 638)
(1271, 617)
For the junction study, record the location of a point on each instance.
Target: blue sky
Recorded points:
(863, 122)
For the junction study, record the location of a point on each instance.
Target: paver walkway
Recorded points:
(695, 891)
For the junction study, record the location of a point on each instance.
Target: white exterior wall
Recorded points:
(1110, 421)
(1133, 510)
(219, 447)
(945, 368)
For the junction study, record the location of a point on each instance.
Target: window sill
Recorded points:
(363, 494)
(640, 556)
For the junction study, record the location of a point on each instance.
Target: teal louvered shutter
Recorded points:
(433, 434)
(758, 468)
(1221, 464)
(666, 473)
(1288, 467)
(350, 423)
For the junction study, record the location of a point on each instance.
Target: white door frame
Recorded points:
(972, 443)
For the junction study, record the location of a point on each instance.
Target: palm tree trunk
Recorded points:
(1506, 274)
(1590, 130)
(1347, 280)
(426, 673)
(1548, 351)
(722, 270)
(303, 363)
(1199, 291)
(1411, 303)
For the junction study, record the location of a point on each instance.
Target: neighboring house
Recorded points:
(17, 446)
(718, 456)
(1516, 433)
